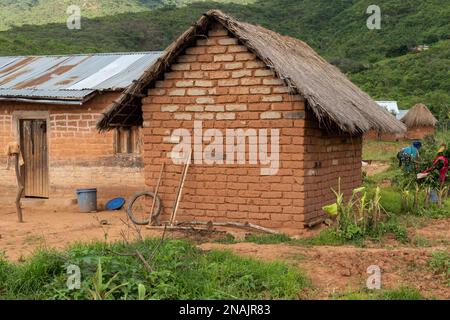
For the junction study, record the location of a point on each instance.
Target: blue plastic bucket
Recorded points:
(87, 200)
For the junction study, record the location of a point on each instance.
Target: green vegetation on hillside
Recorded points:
(40, 12)
(411, 79)
(336, 29)
(377, 60)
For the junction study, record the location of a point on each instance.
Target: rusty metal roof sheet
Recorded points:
(73, 77)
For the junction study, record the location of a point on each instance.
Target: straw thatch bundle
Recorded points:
(419, 116)
(330, 95)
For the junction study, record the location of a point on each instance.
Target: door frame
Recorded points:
(34, 115)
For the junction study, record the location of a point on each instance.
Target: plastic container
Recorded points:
(115, 204)
(87, 200)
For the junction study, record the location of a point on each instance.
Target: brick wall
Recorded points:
(221, 83)
(419, 132)
(374, 135)
(7, 134)
(79, 156)
(329, 155)
(416, 133)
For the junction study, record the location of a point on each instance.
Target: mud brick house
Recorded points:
(51, 105)
(227, 74)
(420, 122)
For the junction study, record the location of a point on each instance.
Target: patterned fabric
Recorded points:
(407, 156)
(441, 163)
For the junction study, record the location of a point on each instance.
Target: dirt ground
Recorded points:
(375, 167)
(341, 269)
(58, 227)
(332, 270)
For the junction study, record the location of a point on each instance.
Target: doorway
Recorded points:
(33, 143)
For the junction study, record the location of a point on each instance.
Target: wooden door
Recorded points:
(33, 141)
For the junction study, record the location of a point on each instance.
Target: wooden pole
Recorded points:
(231, 224)
(180, 189)
(20, 187)
(156, 194)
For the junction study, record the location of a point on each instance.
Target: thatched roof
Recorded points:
(419, 116)
(330, 95)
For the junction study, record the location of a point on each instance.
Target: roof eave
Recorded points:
(50, 100)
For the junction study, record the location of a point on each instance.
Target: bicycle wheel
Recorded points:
(138, 208)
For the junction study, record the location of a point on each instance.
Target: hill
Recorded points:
(336, 29)
(15, 13)
(377, 60)
(410, 79)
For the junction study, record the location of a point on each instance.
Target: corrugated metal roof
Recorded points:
(401, 114)
(390, 106)
(48, 94)
(72, 77)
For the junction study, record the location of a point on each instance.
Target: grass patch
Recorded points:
(268, 239)
(227, 239)
(256, 238)
(402, 293)
(329, 237)
(382, 150)
(326, 237)
(440, 264)
(422, 242)
(30, 278)
(181, 271)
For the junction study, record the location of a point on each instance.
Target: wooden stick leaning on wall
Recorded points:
(180, 189)
(20, 187)
(156, 194)
(245, 225)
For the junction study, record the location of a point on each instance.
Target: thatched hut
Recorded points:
(392, 108)
(227, 75)
(420, 122)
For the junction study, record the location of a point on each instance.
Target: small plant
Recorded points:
(405, 192)
(141, 291)
(103, 291)
(359, 216)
